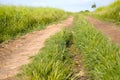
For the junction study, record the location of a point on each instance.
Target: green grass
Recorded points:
(109, 13)
(101, 58)
(15, 21)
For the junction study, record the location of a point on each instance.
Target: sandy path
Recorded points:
(109, 29)
(17, 52)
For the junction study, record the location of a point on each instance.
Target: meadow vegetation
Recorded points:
(18, 20)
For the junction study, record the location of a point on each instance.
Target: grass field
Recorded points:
(109, 13)
(100, 56)
(15, 21)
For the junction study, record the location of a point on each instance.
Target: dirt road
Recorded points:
(17, 52)
(109, 29)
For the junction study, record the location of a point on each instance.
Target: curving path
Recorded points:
(17, 52)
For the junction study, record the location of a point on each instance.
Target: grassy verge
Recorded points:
(109, 13)
(100, 57)
(15, 21)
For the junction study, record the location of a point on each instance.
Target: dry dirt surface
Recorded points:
(17, 52)
(111, 30)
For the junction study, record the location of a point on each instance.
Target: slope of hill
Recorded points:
(109, 13)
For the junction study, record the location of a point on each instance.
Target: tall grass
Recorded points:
(109, 13)
(15, 21)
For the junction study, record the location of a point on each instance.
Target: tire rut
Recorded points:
(111, 30)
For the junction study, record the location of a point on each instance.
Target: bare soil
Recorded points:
(111, 30)
(78, 67)
(17, 52)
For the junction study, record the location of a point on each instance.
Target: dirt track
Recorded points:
(17, 52)
(109, 29)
